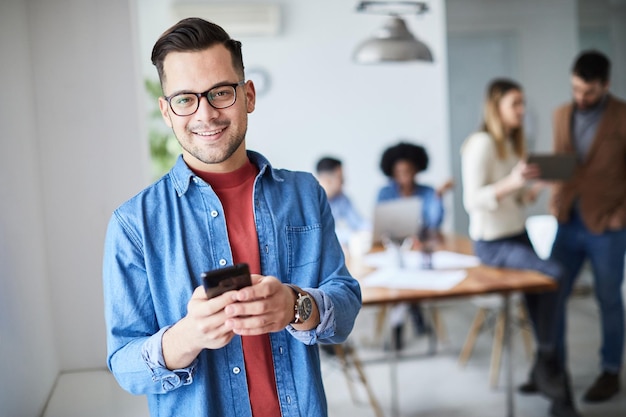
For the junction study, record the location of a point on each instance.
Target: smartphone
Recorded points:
(219, 281)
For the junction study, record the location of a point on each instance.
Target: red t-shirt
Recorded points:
(234, 190)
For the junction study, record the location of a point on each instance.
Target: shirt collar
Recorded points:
(181, 175)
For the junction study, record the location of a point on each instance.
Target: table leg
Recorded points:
(510, 407)
(393, 374)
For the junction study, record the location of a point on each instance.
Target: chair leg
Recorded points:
(496, 354)
(340, 352)
(438, 326)
(381, 324)
(370, 394)
(348, 357)
(477, 324)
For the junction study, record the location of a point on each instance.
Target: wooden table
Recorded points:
(480, 280)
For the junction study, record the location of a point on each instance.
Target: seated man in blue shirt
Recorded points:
(246, 352)
(347, 219)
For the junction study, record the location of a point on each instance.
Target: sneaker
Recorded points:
(606, 386)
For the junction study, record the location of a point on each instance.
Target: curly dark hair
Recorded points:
(404, 151)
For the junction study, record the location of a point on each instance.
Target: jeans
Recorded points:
(573, 244)
(516, 252)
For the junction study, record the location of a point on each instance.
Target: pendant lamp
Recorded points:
(393, 42)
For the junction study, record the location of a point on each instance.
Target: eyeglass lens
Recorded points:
(186, 104)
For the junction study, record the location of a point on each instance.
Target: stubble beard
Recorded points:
(213, 154)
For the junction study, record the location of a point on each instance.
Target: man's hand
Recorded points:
(202, 327)
(615, 222)
(265, 306)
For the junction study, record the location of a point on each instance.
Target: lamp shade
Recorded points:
(392, 43)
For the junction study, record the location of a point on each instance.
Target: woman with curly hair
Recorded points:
(401, 163)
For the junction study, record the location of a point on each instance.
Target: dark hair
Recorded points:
(592, 65)
(327, 164)
(403, 151)
(194, 34)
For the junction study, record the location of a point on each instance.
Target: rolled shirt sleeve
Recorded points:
(325, 328)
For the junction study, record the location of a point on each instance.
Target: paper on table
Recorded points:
(412, 259)
(422, 279)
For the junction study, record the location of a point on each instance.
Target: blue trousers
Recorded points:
(573, 244)
(516, 252)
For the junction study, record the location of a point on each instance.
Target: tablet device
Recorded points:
(397, 219)
(554, 167)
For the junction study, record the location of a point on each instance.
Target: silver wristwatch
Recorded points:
(303, 306)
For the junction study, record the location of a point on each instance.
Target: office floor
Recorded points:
(429, 385)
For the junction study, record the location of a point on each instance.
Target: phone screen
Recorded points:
(219, 281)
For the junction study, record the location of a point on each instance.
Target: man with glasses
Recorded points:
(247, 352)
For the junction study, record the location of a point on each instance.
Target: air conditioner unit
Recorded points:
(251, 19)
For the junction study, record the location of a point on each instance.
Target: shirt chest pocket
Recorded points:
(303, 246)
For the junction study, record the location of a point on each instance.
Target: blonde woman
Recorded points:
(497, 186)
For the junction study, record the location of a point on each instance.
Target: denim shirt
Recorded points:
(157, 245)
(432, 207)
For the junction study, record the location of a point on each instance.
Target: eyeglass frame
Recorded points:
(206, 95)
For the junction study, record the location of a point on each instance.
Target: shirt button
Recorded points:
(222, 262)
(214, 213)
(281, 350)
(236, 370)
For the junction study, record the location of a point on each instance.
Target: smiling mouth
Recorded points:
(209, 133)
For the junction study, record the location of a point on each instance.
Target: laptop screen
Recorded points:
(397, 219)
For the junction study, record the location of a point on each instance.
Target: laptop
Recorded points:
(397, 219)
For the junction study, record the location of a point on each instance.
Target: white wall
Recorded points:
(28, 352)
(72, 150)
(92, 155)
(370, 107)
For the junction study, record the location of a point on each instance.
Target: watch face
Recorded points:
(305, 307)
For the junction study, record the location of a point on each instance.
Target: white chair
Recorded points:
(541, 230)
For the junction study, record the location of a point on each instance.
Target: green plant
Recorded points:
(164, 148)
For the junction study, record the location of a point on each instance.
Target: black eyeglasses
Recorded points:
(220, 97)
